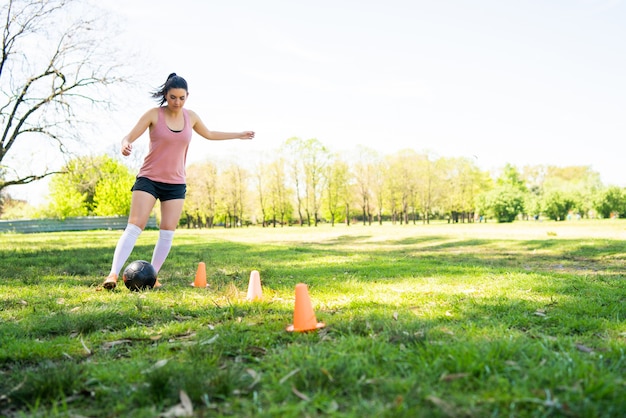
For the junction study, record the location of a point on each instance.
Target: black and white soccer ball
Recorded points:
(139, 275)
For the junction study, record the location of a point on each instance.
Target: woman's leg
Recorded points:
(140, 208)
(162, 248)
(170, 215)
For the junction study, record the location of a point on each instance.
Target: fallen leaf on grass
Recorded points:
(18, 387)
(157, 365)
(584, 348)
(209, 340)
(256, 351)
(299, 394)
(185, 336)
(445, 407)
(87, 350)
(540, 312)
(395, 316)
(288, 375)
(447, 331)
(183, 409)
(453, 376)
(186, 402)
(255, 376)
(110, 344)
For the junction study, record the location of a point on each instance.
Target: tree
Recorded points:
(112, 192)
(337, 177)
(576, 184)
(465, 183)
(90, 186)
(201, 200)
(279, 194)
(315, 158)
(365, 176)
(66, 201)
(232, 186)
(610, 201)
(379, 193)
(307, 160)
(52, 70)
(511, 178)
(558, 204)
(292, 149)
(403, 167)
(428, 188)
(262, 184)
(504, 203)
(506, 200)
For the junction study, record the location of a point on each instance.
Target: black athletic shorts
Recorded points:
(161, 191)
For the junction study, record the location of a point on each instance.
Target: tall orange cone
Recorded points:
(200, 276)
(303, 315)
(254, 287)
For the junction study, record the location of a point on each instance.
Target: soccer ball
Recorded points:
(139, 275)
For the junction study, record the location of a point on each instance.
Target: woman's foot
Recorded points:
(110, 282)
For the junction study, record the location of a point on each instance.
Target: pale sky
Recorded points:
(523, 82)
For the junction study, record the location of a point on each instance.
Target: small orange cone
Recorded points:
(303, 315)
(200, 276)
(254, 287)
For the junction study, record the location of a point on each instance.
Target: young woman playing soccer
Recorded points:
(162, 175)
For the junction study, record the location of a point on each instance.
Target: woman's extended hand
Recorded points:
(126, 148)
(247, 135)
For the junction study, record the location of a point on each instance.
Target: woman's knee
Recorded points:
(138, 222)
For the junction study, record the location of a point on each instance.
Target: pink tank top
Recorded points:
(167, 154)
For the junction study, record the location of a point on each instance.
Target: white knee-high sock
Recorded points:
(162, 248)
(124, 247)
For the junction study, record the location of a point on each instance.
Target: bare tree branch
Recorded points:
(48, 73)
(27, 179)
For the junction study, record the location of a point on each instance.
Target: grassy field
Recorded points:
(467, 320)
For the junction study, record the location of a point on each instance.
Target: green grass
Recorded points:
(469, 320)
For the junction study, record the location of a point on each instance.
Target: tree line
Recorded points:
(304, 183)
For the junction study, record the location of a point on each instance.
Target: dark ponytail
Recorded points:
(173, 82)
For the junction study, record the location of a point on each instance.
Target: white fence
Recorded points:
(85, 223)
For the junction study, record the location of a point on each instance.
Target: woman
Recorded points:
(162, 175)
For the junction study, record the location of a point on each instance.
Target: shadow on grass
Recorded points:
(321, 264)
(572, 271)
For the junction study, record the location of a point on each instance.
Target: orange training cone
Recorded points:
(303, 315)
(254, 287)
(200, 276)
